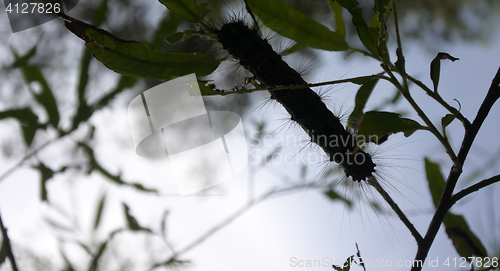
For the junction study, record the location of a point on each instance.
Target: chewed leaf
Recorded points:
(378, 125)
(436, 67)
(295, 25)
(137, 58)
(185, 9)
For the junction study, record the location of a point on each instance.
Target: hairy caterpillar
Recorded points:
(304, 105)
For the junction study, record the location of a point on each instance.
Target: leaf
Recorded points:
(21, 61)
(28, 120)
(125, 82)
(164, 224)
(382, 9)
(297, 26)
(100, 207)
(68, 265)
(185, 9)
(33, 74)
(339, 18)
(377, 125)
(362, 96)
(166, 28)
(346, 266)
(131, 221)
(465, 241)
(334, 196)
(446, 120)
(137, 58)
(436, 67)
(366, 34)
(94, 165)
(100, 14)
(94, 265)
(45, 175)
(294, 48)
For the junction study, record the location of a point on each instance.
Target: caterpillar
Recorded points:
(304, 105)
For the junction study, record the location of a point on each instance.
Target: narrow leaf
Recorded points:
(367, 35)
(28, 121)
(339, 18)
(23, 60)
(100, 207)
(139, 59)
(3, 252)
(33, 74)
(131, 221)
(334, 196)
(465, 241)
(185, 9)
(164, 224)
(446, 120)
(94, 265)
(166, 28)
(361, 99)
(45, 175)
(436, 67)
(100, 14)
(297, 26)
(377, 125)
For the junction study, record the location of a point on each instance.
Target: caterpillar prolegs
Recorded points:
(304, 105)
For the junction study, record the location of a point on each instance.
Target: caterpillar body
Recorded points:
(304, 105)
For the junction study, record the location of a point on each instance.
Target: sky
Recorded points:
(283, 232)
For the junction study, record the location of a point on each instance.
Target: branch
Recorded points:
(451, 182)
(7, 246)
(471, 189)
(396, 209)
(232, 217)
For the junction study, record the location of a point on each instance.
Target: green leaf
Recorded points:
(465, 241)
(367, 35)
(45, 175)
(436, 67)
(28, 120)
(100, 14)
(166, 28)
(346, 266)
(23, 60)
(297, 26)
(185, 9)
(361, 99)
(33, 74)
(339, 18)
(446, 120)
(131, 221)
(100, 207)
(94, 165)
(435, 180)
(125, 82)
(382, 9)
(137, 58)
(377, 125)
(94, 265)
(334, 196)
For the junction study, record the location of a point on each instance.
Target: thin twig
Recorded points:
(396, 209)
(231, 218)
(451, 182)
(473, 188)
(7, 246)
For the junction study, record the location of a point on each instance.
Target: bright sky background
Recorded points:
(281, 231)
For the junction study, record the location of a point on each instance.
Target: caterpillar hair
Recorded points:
(304, 105)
